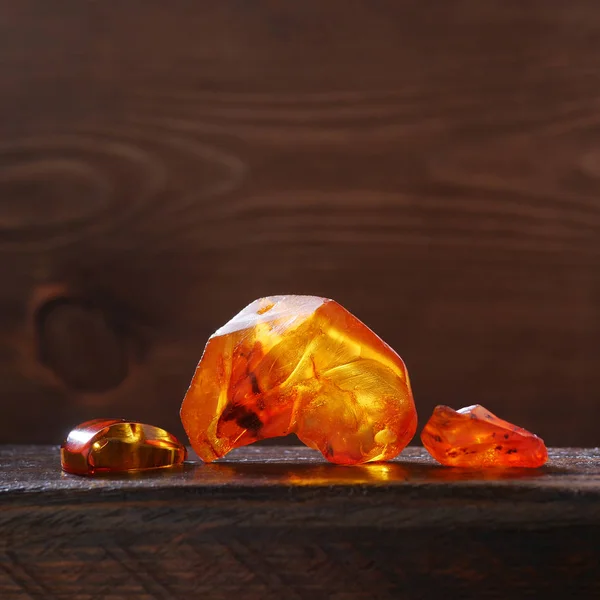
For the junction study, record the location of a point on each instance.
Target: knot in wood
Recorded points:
(81, 344)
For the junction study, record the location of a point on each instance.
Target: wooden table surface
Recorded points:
(270, 522)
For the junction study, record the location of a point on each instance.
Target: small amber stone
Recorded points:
(304, 365)
(474, 437)
(117, 446)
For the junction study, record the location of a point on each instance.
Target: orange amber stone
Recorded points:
(116, 446)
(304, 365)
(474, 437)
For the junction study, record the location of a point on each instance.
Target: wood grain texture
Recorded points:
(434, 168)
(269, 523)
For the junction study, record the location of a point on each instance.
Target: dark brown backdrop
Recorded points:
(433, 166)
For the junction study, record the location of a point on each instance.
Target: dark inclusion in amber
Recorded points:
(474, 437)
(303, 365)
(119, 446)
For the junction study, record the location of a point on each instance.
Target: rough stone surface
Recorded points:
(304, 365)
(474, 437)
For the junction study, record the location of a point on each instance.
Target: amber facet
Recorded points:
(117, 446)
(304, 365)
(474, 437)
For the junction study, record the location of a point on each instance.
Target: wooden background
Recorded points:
(433, 166)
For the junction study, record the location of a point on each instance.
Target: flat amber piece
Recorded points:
(304, 365)
(474, 437)
(117, 446)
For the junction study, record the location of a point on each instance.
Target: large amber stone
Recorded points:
(304, 365)
(474, 437)
(117, 446)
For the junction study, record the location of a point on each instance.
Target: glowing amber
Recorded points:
(474, 437)
(115, 446)
(304, 365)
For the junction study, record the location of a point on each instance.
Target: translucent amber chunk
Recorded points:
(304, 365)
(474, 437)
(115, 446)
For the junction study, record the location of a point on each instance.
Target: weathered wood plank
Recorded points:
(280, 522)
(29, 471)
